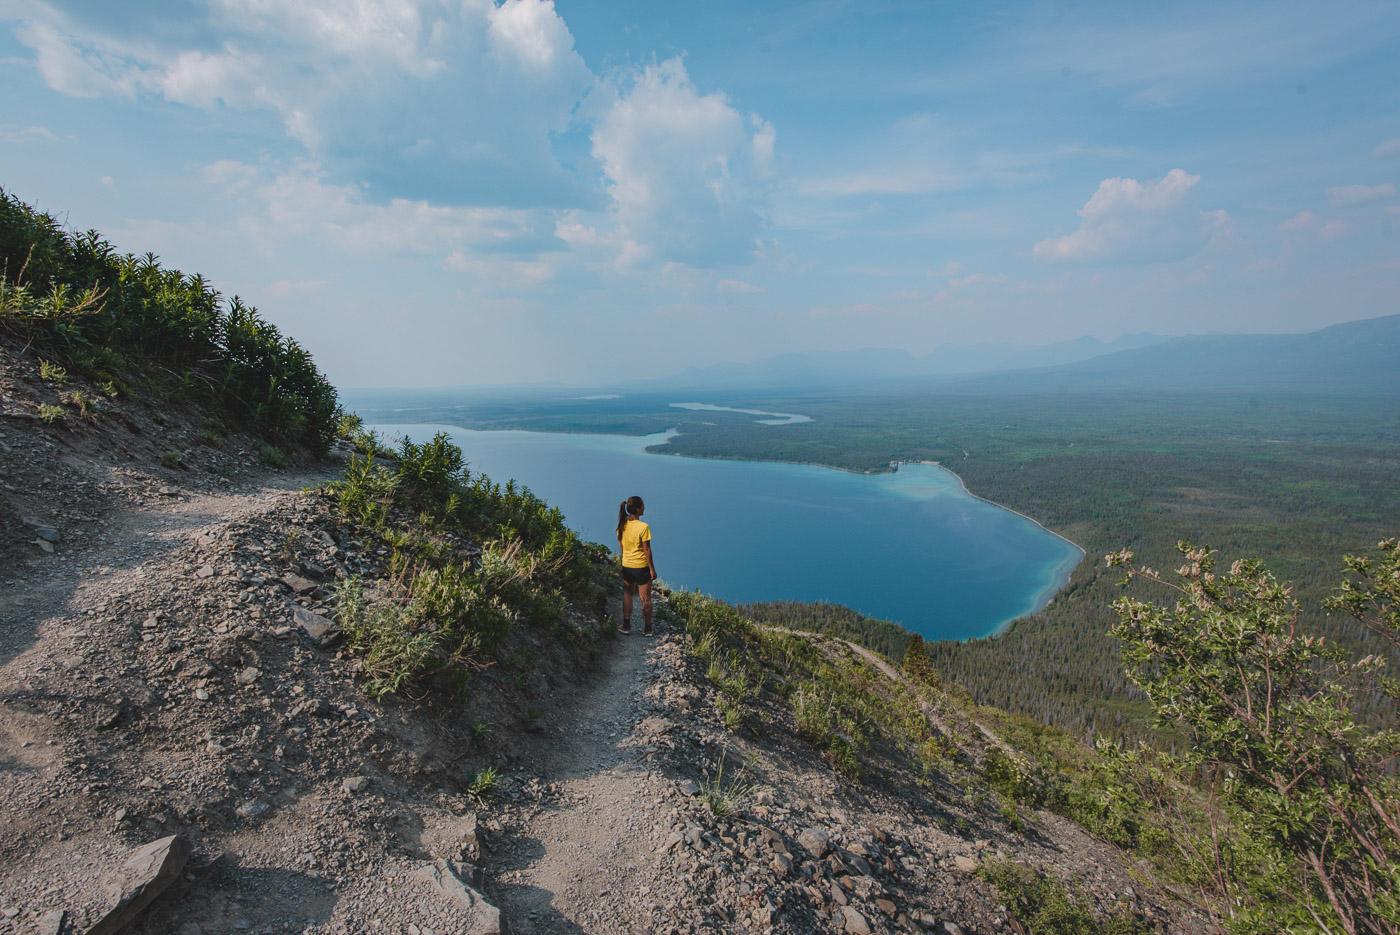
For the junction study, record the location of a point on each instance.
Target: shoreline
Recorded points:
(1061, 579)
(1054, 588)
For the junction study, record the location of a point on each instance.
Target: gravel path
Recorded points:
(583, 856)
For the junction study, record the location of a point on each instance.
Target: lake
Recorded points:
(912, 546)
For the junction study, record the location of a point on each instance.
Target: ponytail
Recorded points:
(625, 512)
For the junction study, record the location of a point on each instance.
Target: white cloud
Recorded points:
(977, 279)
(412, 105)
(418, 97)
(736, 287)
(1307, 221)
(687, 173)
(300, 202)
(1345, 195)
(1388, 148)
(1127, 221)
(28, 135)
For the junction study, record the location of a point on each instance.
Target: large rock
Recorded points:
(299, 584)
(143, 877)
(815, 840)
(41, 529)
(324, 633)
(445, 877)
(856, 923)
(455, 839)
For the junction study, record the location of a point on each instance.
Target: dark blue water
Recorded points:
(913, 546)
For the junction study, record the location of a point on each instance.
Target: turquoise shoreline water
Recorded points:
(911, 546)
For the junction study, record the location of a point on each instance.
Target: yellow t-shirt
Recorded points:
(633, 535)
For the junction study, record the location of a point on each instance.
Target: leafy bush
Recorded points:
(451, 605)
(1046, 906)
(1300, 827)
(74, 297)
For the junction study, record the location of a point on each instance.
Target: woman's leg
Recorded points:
(626, 605)
(646, 605)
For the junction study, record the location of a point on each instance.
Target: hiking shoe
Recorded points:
(646, 632)
(627, 630)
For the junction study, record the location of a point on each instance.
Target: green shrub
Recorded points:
(1300, 827)
(272, 456)
(1045, 906)
(483, 786)
(394, 644)
(462, 605)
(73, 296)
(51, 372)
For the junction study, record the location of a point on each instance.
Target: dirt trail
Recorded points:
(85, 572)
(581, 859)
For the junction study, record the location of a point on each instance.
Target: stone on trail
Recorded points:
(324, 633)
(964, 864)
(355, 784)
(252, 808)
(815, 840)
(42, 530)
(205, 571)
(146, 874)
(657, 725)
(689, 787)
(248, 676)
(299, 584)
(855, 922)
(445, 877)
(454, 839)
(51, 922)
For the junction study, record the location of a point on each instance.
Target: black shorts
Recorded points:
(636, 575)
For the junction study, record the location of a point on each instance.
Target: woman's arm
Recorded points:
(646, 547)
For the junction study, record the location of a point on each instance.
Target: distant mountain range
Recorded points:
(885, 365)
(1356, 356)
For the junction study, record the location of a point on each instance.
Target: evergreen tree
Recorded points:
(916, 659)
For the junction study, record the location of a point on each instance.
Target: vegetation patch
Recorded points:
(468, 560)
(89, 310)
(1045, 906)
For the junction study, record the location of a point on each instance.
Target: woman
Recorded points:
(638, 569)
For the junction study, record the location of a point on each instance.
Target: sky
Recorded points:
(462, 192)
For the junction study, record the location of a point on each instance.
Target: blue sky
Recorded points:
(428, 192)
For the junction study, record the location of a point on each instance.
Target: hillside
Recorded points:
(164, 672)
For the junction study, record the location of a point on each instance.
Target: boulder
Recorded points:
(815, 840)
(144, 876)
(299, 584)
(324, 633)
(42, 530)
(446, 878)
(855, 923)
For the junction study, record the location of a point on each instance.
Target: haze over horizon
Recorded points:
(427, 192)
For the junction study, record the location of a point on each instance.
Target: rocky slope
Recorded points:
(169, 666)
